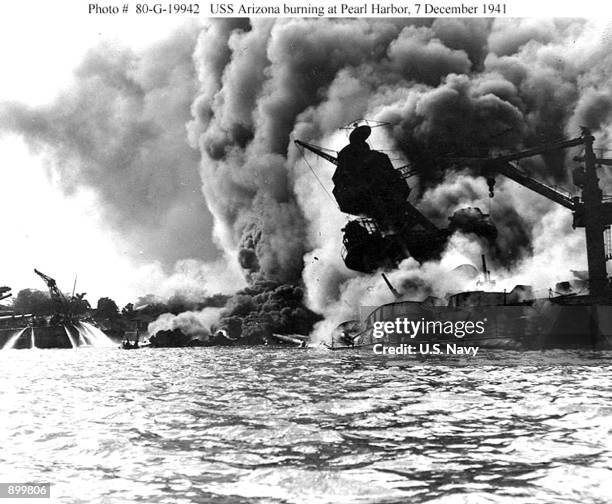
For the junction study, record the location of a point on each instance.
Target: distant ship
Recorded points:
(66, 327)
(26, 331)
(390, 229)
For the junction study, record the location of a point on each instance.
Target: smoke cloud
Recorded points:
(191, 323)
(120, 130)
(247, 88)
(447, 87)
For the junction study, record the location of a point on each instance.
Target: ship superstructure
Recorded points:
(390, 228)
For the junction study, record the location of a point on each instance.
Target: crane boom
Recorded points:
(501, 165)
(5, 292)
(465, 160)
(410, 210)
(590, 212)
(565, 144)
(318, 152)
(405, 171)
(515, 174)
(57, 297)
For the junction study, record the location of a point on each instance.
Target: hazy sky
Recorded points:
(64, 236)
(66, 229)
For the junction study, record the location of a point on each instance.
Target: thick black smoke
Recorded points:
(265, 308)
(447, 87)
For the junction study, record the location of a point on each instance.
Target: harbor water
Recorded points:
(266, 425)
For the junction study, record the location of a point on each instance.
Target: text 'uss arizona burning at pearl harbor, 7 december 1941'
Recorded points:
(295, 9)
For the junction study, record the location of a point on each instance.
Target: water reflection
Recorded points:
(260, 425)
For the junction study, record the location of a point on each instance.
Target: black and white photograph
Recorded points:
(305, 253)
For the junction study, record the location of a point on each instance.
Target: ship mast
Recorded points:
(406, 171)
(594, 223)
(590, 211)
(57, 297)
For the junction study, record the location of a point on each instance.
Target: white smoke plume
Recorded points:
(119, 129)
(189, 279)
(192, 323)
(447, 87)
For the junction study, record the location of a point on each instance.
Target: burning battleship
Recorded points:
(387, 228)
(67, 327)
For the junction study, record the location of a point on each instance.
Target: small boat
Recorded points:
(345, 347)
(133, 344)
(297, 340)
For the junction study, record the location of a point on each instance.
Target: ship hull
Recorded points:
(44, 337)
(539, 325)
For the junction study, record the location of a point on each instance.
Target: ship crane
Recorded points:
(5, 292)
(57, 297)
(590, 211)
(389, 228)
(404, 171)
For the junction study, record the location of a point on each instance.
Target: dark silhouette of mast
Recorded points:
(590, 211)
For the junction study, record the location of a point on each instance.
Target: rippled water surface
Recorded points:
(281, 426)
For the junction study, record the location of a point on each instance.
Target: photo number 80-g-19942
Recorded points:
(169, 8)
(144, 8)
(342, 9)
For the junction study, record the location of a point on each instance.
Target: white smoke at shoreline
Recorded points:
(189, 279)
(447, 87)
(191, 323)
(119, 131)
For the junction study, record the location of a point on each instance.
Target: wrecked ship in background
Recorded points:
(447, 88)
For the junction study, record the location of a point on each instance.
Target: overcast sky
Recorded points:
(62, 235)
(60, 214)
